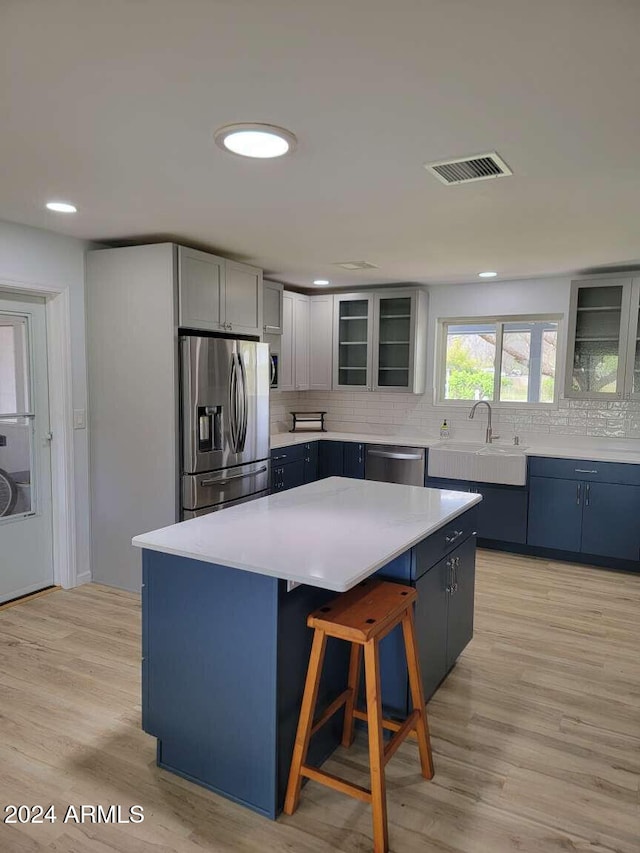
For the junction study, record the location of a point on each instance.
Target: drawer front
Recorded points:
(585, 469)
(292, 453)
(432, 549)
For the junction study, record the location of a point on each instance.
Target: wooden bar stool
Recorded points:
(363, 616)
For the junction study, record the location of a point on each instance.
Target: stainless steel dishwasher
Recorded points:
(392, 463)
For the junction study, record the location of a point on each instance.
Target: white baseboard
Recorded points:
(83, 577)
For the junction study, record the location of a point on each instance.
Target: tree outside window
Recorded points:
(511, 361)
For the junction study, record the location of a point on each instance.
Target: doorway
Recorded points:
(26, 530)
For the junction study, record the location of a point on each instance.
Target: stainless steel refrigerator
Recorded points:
(224, 393)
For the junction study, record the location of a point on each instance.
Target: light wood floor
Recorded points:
(536, 733)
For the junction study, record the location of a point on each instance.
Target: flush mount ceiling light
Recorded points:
(61, 207)
(321, 281)
(487, 274)
(261, 141)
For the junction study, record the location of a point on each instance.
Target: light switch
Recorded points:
(79, 419)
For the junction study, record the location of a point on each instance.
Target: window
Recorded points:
(13, 376)
(509, 360)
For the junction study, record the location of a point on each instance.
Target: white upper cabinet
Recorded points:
(353, 341)
(286, 366)
(399, 355)
(380, 340)
(218, 295)
(243, 298)
(294, 350)
(272, 308)
(301, 342)
(633, 348)
(320, 342)
(603, 357)
(201, 279)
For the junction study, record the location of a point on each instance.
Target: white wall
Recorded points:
(571, 422)
(37, 257)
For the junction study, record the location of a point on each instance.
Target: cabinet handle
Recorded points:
(586, 494)
(585, 471)
(456, 535)
(456, 563)
(578, 490)
(278, 458)
(449, 586)
(271, 328)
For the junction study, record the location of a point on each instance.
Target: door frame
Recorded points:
(63, 498)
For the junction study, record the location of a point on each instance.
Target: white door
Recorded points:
(26, 537)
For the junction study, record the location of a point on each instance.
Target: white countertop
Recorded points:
(333, 533)
(596, 453)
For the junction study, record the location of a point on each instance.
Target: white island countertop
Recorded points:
(333, 533)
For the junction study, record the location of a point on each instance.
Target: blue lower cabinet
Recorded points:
(205, 625)
(431, 626)
(311, 462)
(611, 521)
(330, 459)
(555, 513)
(462, 579)
(600, 519)
(502, 513)
(287, 476)
(443, 618)
(354, 460)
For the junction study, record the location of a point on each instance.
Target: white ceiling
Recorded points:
(113, 106)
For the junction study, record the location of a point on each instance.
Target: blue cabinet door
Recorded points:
(555, 513)
(354, 460)
(287, 476)
(311, 462)
(502, 514)
(462, 576)
(611, 521)
(330, 459)
(431, 626)
(292, 474)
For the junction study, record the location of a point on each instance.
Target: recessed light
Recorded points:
(321, 281)
(261, 141)
(487, 274)
(61, 207)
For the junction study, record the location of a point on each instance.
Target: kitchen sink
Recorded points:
(482, 463)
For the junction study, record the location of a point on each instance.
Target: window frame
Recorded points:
(442, 324)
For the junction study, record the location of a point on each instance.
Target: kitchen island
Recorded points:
(224, 604)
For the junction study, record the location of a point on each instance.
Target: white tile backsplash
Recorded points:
(385, 412)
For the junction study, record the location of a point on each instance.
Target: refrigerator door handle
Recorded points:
(244, 403)
(233, 403)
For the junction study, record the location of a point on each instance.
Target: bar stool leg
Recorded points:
(305, 723)
(354, 683)
(376, 747)
(417, 694)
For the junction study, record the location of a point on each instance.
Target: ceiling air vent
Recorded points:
(355, 265)
(481, 167)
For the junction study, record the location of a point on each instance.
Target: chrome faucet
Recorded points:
(490, 436)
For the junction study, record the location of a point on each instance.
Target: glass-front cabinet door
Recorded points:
(394, 341)
(353, 334)
(633, 350)
(598, 338)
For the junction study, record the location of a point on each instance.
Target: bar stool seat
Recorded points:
(363, 617)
